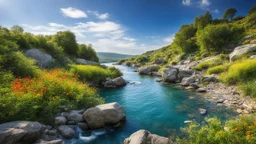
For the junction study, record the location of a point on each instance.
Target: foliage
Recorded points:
(216, 38)
(114, 72)
(17, 29)
(184, 41)
(87, 52)
(37, 98)
(241, 130)
(141, 59)
(202, 21)
(239, 72)
(217, 69)
(229, 14)
(12, 59)
(94, 73)
(248, 88)
(66, 40)
(212, 62)
(252, 10)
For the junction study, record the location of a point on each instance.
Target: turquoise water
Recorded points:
(159, 108)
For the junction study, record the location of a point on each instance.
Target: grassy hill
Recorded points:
(111, 57)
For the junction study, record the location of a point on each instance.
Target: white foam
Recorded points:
(87, 138)
(99, 132)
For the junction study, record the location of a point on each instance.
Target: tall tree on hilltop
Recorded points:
(229, 14)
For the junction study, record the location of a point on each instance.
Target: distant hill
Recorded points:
(112, 57)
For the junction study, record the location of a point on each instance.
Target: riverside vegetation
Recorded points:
(220, 48)
(37, 90)
(30, 92)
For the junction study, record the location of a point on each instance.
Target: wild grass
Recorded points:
(240, 72)
(217, 69)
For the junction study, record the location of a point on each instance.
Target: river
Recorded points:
(156, 107)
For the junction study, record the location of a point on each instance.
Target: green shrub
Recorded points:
(242, 71)
(217, 69)
(217, 38)
(141, 59)
(240, 131)
(248, 88)
(89, 73)
(114, 72)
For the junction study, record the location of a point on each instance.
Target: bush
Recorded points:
(241, 130)
(248, 88)
(216, 38)
(141, 59)
(217, 69)
(239, 72)
(40, 99)
(87, 52)
(114, 72)
(89, 73)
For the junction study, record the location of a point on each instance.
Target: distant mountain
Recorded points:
(112, 57)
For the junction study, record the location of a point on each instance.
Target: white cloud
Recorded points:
(99, 27)
(186, 2)
(98, 15)
(169, 39)
(73, 12)
(205, 3)
(216, 11)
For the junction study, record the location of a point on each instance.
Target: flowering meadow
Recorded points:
(41, 98)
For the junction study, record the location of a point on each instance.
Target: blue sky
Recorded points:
(122, 26)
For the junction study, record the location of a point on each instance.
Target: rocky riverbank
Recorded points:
(25, 132)
(183, 74)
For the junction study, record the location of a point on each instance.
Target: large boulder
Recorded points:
(145, 137)
(66, 131)
(105, 114)
(185, 73)
(43, 59)
(21, 132)
(85, 62)
(188, 80)
(148, 70)
(241, 50)
(170, 74)
(117, 82)
(159, 61)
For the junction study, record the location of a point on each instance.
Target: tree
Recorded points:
(87, 52)
(252, 10)
(66, 40)
(203, 20)
(229, 14)
(17, 29)
(216, 38)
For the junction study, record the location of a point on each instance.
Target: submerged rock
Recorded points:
(202, 111)
(20, 132)
(105, 114)
(145, 137)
